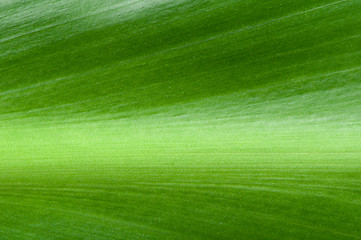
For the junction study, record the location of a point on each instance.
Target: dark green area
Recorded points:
(189, 119)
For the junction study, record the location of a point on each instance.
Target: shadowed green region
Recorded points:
(187, 119)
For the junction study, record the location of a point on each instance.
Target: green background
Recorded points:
(186, 119)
